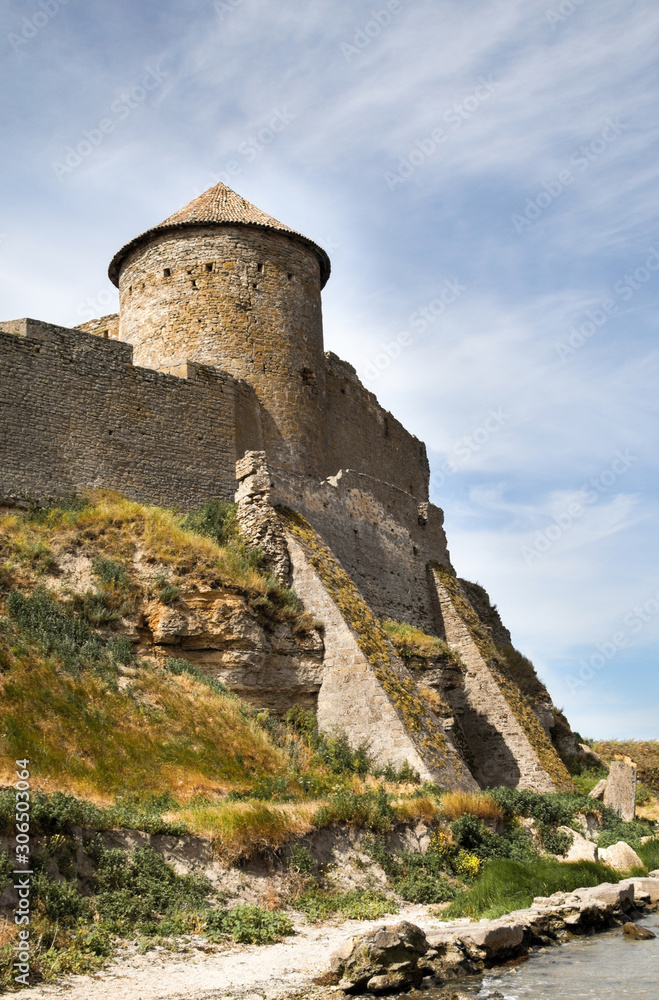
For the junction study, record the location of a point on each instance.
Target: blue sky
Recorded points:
(484, 178)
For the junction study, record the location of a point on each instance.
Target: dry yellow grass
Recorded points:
(424, 808)
(455, 804)
(238, 829)
(159, 733)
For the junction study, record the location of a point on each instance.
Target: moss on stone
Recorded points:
(371, 639)
(500, 671)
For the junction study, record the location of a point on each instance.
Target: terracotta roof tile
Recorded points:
(219, 206)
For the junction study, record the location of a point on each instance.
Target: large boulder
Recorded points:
(646, 890)
(384, 960)
(621, 857)
(580, 849)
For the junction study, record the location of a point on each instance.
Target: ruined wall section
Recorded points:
(76, 414)
(245, 300)
(366, 690)
(363, 436)
(507, 741)
(105, 326)
(379, 535)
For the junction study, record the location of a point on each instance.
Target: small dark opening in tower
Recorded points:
(194, 282)
(386, 427)
(209, 267)
(106, 333)
(259, 268)
(290, 277)
(167, 272)
(254, 285)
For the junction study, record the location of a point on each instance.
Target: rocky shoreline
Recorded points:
(298, 968)
(401, 956)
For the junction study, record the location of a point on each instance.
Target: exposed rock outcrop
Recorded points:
(391, 958)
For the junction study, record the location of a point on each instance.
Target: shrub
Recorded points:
(417, 878)
(138, 890)
(555, 841)
(248, 925)
(404, 774)
(369, 810)
(67, 634)
(649, 854)
(332, 750)
(60, 901)
(216, 519)
(6, 869)
(300, 860)
(471, 834)
(357, 904)
(110, 572)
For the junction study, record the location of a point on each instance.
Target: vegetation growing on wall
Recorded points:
(372, 640)
(501, 672)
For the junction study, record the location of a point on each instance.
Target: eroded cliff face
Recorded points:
(263, 660)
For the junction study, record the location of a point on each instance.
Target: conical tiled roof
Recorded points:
(219, 206)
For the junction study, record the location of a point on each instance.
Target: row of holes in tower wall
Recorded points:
(207, 269)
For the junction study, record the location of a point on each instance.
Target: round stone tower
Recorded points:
(224, 284)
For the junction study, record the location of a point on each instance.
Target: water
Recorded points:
(604, 967)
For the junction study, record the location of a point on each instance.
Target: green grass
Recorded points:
(649, 854)
(248, 925)
(506, 885)
(357, 904)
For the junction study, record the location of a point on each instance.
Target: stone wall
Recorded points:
(365, 437)
(245, 300)
(382, 537)
(77, 414)
(507, 744)
(366, 690)
(105, 326)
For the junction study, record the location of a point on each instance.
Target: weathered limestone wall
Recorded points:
(620, 790)
(505, 744)
(365, 437)
(244, 300)
(382, 537)
(77, 414)
(105, 326)
(351, 697)
(370, 695)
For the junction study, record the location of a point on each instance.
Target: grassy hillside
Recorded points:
(116, 739)
(159, 738)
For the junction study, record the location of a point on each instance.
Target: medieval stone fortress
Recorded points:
(212, 382)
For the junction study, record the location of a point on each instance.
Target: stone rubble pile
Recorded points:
(397, 957)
